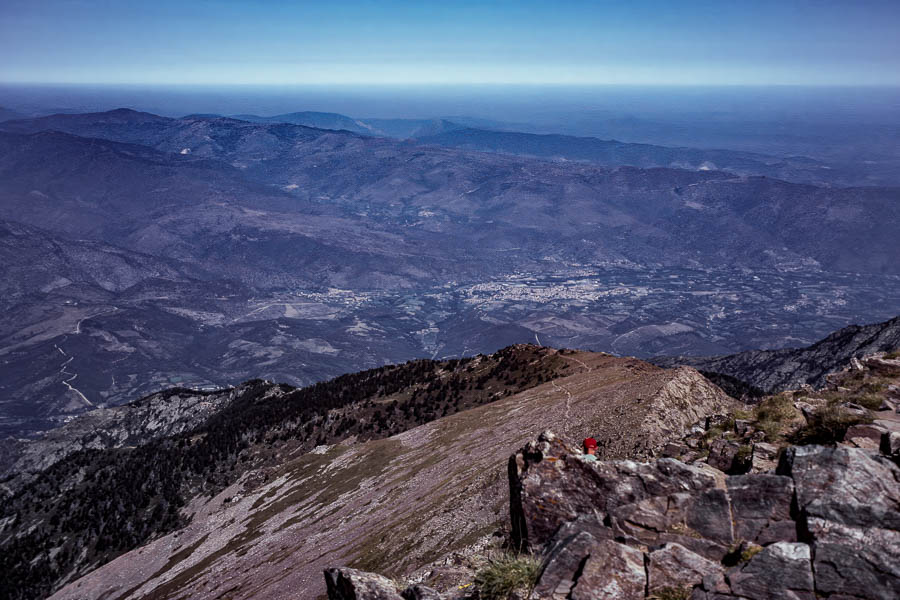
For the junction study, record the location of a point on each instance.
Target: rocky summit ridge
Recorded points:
(742, 513)
(253, 492)
(824, 524)
(410, 500)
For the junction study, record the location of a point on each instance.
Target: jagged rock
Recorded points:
(674, 566)
(613, 571)
(716, 421)
(700, 521)
(856, 562)
(855, 409)
(865, 435)
(890, 444)
(674, 450)
(764, 457)
(421, 592)
(725, 455)
(351, 584)
(845, 485)
(781, 571)
(761, 508)
(550, 485)
(849, 502)
(562, 563)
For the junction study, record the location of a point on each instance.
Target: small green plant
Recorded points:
(712, 433)
(743, 415)
(670, 593)
(870, 401)
(893, 354)
(750, 552)
(773, 414)
(506, 574)
(828, 425)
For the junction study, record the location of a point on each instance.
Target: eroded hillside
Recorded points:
(400, 502)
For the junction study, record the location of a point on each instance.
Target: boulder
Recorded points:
(351, 584)
(742, 427)
(764, 458)
(729, 456)
(613, 571)
(700, 521)
(675, 567)
(421, 592)
(855, 561)
(761, 508)
(890, 445)
(865, 435)
(781, 571)
(849, 486)
(550, 486)
(562, 564)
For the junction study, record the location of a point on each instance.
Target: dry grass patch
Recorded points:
(506, 575)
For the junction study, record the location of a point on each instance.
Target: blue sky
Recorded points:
(392, 42)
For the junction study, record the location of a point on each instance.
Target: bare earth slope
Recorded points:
(396, 504)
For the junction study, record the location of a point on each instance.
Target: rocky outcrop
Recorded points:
(405, 503)
(827, 522)
(162, 414)
(351, 584)
(777, 370)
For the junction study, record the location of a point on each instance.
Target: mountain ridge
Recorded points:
(790, 368)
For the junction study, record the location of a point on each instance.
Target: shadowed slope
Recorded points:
(398, 503)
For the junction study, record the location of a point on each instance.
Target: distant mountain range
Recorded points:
(471, 134)
(206, 250)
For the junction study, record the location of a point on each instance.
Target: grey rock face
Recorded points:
(613, 571)
(849, 486)
(563, 560)
(890, 445)
(826, 524)
(782, 571)
(420, 592)
(550, 485)
(351, 584)
(761, 508)
(583, 567)
(858, 562)
(700, 521)
(842, 504)
(764, 458)
(778, 370)
(675, 567)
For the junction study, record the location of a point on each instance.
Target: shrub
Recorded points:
(750, 552)
(670, 593)
(893, 354)
(870, 401)
(773, 414)
(506, 574)
(828, 425)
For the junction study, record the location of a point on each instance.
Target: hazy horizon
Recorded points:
(401, 42)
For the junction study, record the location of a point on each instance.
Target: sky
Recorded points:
(356, 42)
